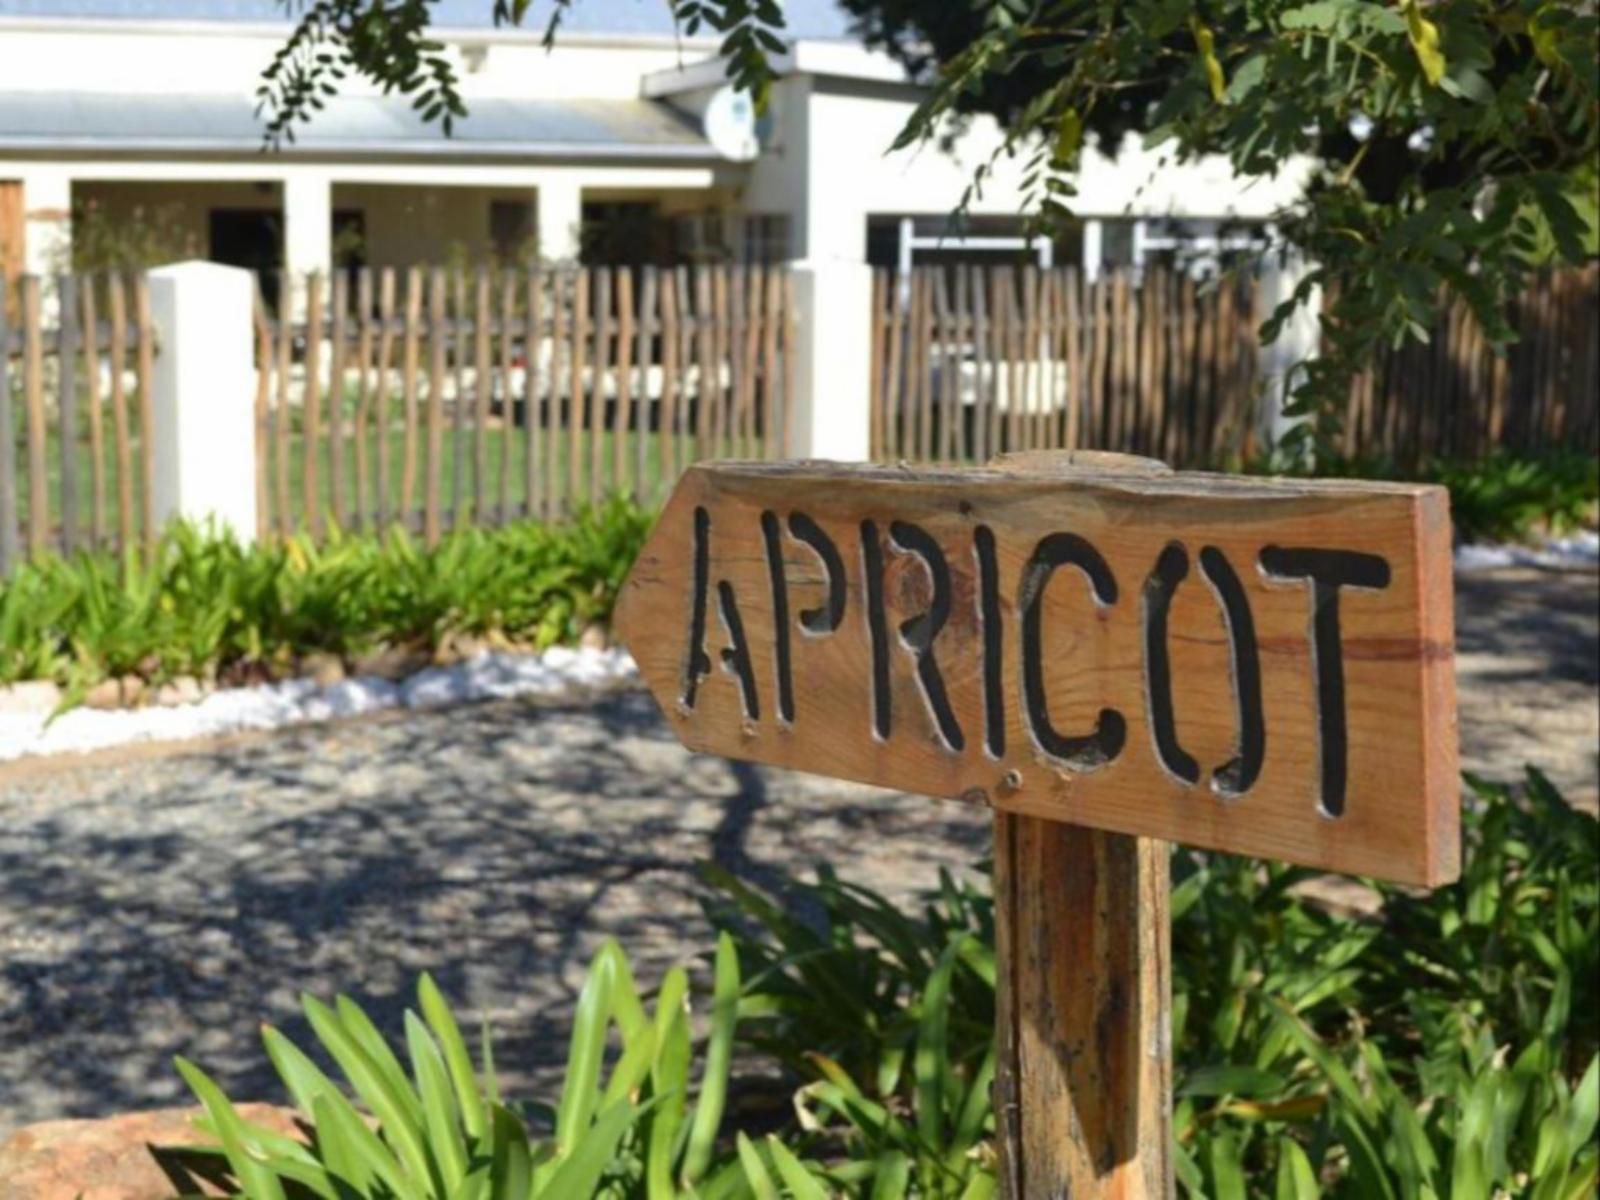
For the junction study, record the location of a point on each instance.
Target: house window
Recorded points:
(511, 230)
(251, 238)
(766, 238)
(624, 233)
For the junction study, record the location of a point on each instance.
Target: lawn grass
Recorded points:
(560, 482)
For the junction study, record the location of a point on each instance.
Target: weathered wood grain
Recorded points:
(1083, 1057)
(1024, 718)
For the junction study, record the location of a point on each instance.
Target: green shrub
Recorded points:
(1506, 497)
(1446, 1049)
(204, 605)
(624, 1127)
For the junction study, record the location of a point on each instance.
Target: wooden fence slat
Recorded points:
(508, 355)
(961, 336)
(894, 371)
(1072, 321)
(746, 344)
(339, 302)
(311, 423)
(986, 414)
(461, 352)
(578, 410)
(117, 301)
(723, 394)
(731, 309)
(411, 353)
(33, 401)
(433, 465)
(145, 367)
(771, 413)
(10, 548)
(382, 399)
(364, 397)
(754, 290)
(1185, 389)
(67, 408)
(1058, 379)
(482, 365)
(533, 402)
(284, 336)
(97, 436)
(704, 400)
(1028, 357)
(1158, 353)
(560, 475)
(642, 439)
(622, 414)
(671, 331)
(790, 362)
(915, 375)
(755, 293)
(597, 399)
(948, 349)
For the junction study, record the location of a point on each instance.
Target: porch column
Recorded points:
(558, 216)
(307, 232)
(47, 229)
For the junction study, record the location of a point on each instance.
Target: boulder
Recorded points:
(112, 1158)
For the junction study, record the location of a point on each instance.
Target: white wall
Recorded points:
(169, 56)
(827, 166)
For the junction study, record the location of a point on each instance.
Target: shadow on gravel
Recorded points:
(166, 907)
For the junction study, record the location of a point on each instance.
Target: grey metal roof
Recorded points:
(804, 18)
(350, 125)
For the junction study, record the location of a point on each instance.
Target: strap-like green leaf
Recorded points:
(719, 1055)
(443, 1024)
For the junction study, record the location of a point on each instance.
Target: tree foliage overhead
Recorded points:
(1452, 143)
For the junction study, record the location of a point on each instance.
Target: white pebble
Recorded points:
(492, 674)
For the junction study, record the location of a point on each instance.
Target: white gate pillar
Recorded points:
(830, 415)
(204, 397)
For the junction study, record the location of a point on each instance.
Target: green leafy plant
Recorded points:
(625, 1125)
(1445, 1048)
(1506, 497)
(204, 605)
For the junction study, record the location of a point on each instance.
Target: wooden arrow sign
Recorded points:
(1252, 665)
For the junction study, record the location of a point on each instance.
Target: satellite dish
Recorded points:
(730, 124)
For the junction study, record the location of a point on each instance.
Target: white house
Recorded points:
(139, 114)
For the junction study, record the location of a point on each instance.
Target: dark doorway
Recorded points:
(349, 238)
(251, 238)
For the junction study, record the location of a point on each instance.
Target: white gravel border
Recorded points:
(1581, 550)
(559, 673)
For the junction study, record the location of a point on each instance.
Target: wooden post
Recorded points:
(1083, 1021)
(1083, 1072)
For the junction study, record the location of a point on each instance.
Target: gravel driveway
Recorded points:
(154, 904)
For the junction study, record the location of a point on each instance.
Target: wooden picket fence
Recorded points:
(75, 415)
(446, 397)
(969, 361)
(1453, 396)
